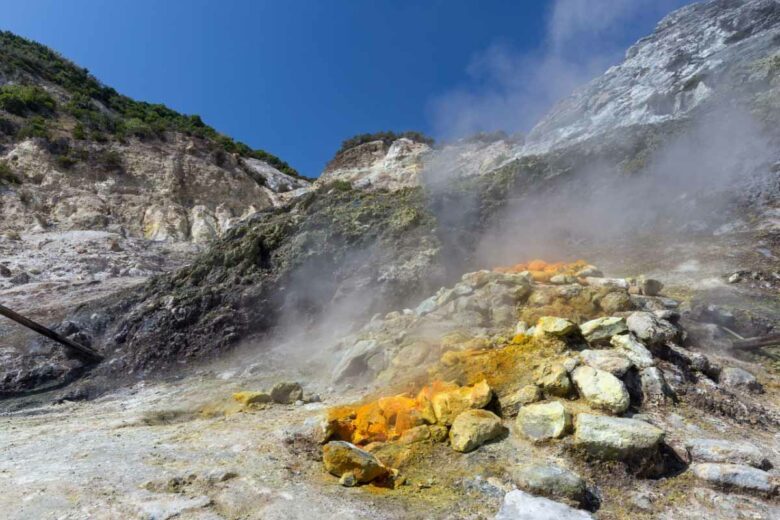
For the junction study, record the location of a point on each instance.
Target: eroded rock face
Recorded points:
(724, 451)
(171, 191)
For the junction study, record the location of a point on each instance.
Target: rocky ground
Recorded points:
(700, 435)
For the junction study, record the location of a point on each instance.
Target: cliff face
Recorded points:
(710, 54)
(76, 155)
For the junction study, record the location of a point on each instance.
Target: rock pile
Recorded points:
(598, 353)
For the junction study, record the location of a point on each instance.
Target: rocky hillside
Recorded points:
(389, 245)
(76, 155)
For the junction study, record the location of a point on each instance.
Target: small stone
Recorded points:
(519, 505)
(512, 403)
(554, 380)
(635, 351)
(348, 479)
(550, 481)
(20, 278)
(616, 301)
(4, 271)
(612, 283)
(472, 428)
(601, 389)
(735, 377)
(615, 438)
(563, 279)
(735, 476)
(543, 421)
(600, 330)
(721, 450)
(340, 457)
(649, 286)
(416, 434)
(589, 271)
(610, 361)
(735, 278)
(286, 393)
(551, 326)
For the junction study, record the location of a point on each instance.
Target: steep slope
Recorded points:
(78, 155)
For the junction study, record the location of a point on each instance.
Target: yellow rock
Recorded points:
(447, 405)
(250, 398)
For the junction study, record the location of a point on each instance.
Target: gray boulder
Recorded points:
(550, 481)
(652, 387)
(721, 450)
(738, 476)
(735, 377)
(519, 505)
(601, 389)
(543, 421)
(613, 438)
(650, 329)
(610, 361)
(629, 346)
(600, 330)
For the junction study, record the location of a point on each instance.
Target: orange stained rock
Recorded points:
(542, 271)
(387, 418)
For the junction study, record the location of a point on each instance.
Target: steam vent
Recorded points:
(551, 293)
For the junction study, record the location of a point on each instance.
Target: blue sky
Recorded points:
(296, 77)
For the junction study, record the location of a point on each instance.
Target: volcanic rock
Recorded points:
(721, 450)
(649, 329)
(286, 393)
(550, 481)
(472, 428)
(634, 350)
(601, 389)
(519, 505)
(543, 421)
(589, 271)
(649, 286)
(616, 301)
(735, 377)
(250, 398)
(614, 438)
(554, 380)
(610, 361)
(600, 330)
(340, 457)
(551, 326)
(612, 283)
(652, 386)
(447, 405)
(737, 476)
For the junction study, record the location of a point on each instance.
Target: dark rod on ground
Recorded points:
(81, 351)
(753, 343)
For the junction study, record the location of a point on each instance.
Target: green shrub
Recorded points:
(386, 137)
(78, 132)
(34, 127)
(65, 162)
(7, 176)
(23, 99)
(111, 161)
(340, 185)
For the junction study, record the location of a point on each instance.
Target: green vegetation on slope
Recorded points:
(101, 111)
(386, 137)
